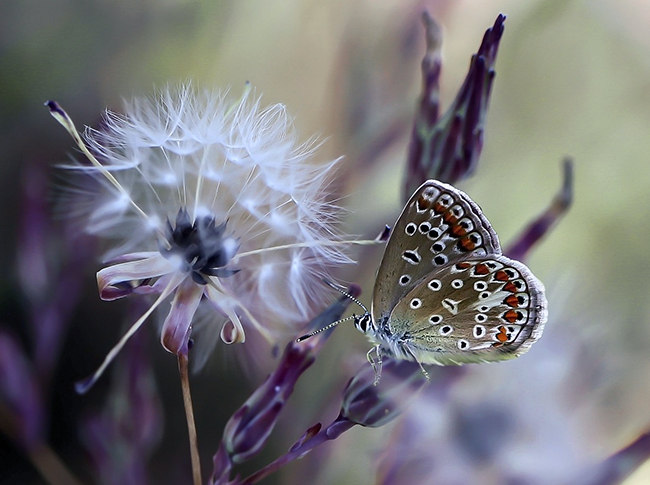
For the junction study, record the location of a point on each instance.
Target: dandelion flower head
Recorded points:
(209, 201)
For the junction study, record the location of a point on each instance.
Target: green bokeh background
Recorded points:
(573, 78)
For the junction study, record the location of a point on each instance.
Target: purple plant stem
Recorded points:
(134, 429)
(537, 229)
(619, 466)
(249, 428)
(392, 464)
(51, 281)
(308, 442)
(365, 404)
(448, 148)
(22, 412)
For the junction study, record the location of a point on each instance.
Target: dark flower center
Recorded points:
(202, 244)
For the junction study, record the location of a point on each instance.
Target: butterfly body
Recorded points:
(445, 294)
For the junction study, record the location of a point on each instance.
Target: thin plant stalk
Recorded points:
(189, 414)
(51, 467)
(45, 460)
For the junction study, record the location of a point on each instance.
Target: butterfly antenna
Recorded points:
(327, 327)
(333, 324)
(345, 293)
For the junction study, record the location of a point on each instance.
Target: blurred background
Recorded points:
(573, 78)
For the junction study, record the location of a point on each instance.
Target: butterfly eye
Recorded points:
(512, 274)
(446, 330)
(412, 257)
(479, 331)
(425, 201)
(363, 322)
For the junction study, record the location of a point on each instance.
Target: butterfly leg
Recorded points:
(375, 364)
(426, 374)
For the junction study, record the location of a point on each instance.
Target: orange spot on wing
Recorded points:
(510, 288)
(463, 265)
(512, 301)
(502, 336)
(481, 269)
(501, 275)
(439, 208)
(449, 217)
(467, 244)
(511, 316)
(424, 203)
(457, 230)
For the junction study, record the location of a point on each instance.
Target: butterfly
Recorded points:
(444, 293)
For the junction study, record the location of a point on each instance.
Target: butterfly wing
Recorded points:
(477, 310)
(440, 225)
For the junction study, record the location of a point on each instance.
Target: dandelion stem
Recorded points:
(44, 459)
(308, 244)
(189, 414)
(51, 467)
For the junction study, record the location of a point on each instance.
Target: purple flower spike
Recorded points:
(447, 149)
(248, 430)
(40, 263)
(619, 466)
(371, 405)
(19, 394)
(537, 229)
(312, 438)
(364, 404)
(121, 439)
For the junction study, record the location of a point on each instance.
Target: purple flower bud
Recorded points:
(248, 429)
(618, 466)
(373, 405)
(222, 467)
(50, 271)
(447, 148)
(135, 429)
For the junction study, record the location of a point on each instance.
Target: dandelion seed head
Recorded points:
(223, 191)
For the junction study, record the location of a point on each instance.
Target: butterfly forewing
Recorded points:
(439, 226)
(476, 310)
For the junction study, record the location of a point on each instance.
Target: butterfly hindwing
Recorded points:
(476, 310)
